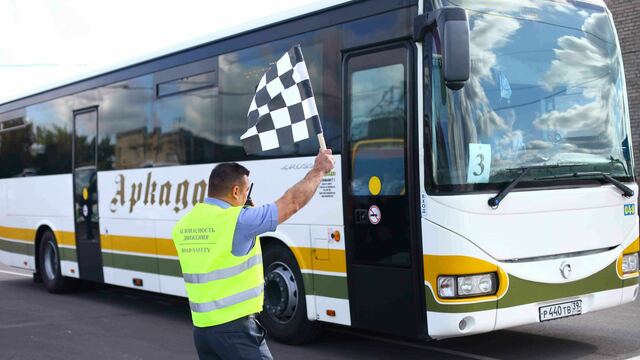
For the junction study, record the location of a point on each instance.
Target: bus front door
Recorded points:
(383, 265)
(85, 190)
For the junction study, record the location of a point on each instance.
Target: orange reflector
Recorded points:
(331, 312)
(336, 235)
(137, 282)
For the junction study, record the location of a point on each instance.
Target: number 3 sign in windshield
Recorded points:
(479, 163)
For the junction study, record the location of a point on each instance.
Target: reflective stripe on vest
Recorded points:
(221, 287)
(228, 301)
(223, 273)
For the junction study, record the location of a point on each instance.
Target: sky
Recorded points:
(46, 42)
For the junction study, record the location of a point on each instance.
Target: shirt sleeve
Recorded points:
(252, 222)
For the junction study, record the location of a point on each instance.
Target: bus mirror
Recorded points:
(451, 26)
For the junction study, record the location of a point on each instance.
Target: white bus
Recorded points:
(484, 175)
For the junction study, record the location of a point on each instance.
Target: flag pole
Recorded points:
(323, 145)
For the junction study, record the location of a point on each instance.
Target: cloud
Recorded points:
(590, 63)
(539, 145)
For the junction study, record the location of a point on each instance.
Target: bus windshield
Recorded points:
(546, 87)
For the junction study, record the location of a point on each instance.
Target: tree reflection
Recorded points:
(40, 151)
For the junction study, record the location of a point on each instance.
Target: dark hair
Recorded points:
(224, 176)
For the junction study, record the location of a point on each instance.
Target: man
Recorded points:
(221, 259)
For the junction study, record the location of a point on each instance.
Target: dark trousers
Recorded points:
(240, 339)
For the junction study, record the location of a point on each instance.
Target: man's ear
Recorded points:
(235, 191)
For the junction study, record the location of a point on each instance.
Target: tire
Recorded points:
(285, 308)
(49, 263)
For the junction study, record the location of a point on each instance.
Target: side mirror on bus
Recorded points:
(450, 27)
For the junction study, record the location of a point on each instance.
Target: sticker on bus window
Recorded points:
(479, 163)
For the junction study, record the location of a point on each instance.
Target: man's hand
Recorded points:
(300, 194)
(324, 161)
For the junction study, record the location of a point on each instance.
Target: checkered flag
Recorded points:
(283, 110)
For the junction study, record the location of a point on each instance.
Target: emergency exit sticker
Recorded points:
(479, 163)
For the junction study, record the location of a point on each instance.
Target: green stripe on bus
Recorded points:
(630, 282)
(326, 285)
(322, 285)
(521, 292)
(525, 292)
(68, 254)
(168, 267)
(17, 248)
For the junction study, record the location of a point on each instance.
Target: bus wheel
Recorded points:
(285, 308)
(49, 261)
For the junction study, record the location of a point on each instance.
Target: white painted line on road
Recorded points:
(15, 273)
(634, 358)
(27, 324)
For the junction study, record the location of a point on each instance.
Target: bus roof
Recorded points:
(186, 45)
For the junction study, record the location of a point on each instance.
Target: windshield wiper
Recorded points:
(626, 191)
(494, 202)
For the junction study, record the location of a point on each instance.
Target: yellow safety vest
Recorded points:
(221, 287)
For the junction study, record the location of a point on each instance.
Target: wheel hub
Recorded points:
(281, 292)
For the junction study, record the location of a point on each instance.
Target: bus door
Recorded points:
(85, 190)
(383, 257)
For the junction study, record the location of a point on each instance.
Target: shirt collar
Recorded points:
(217, 202)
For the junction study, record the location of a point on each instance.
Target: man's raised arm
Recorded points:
(299, 194)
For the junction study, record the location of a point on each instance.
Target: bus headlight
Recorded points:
(467, 285)
(446, 286)
(630, 263)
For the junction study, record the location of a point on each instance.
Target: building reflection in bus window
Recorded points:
(125, 129)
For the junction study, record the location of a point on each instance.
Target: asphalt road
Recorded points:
(101, 322)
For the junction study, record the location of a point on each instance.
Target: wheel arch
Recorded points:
(42, 227)
(302, 256)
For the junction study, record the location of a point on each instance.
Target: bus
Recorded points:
(484, 172)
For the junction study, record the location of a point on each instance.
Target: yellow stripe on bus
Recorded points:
(20, 234)
(633, 247)
(67, 238)
(336, 260)
(138, 244)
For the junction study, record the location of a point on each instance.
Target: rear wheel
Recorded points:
(49, 261)
(285, 308)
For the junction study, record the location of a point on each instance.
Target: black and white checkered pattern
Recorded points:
(283, 110)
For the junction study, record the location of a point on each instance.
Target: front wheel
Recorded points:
(49, 260)
(285, 307)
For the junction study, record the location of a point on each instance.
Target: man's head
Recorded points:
(229, 182)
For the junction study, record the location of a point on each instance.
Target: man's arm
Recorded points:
(299, 194)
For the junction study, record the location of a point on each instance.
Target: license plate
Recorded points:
(557, 311)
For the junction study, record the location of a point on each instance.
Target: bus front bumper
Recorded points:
(460, 323)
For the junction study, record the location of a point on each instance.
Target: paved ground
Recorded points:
(111, 323)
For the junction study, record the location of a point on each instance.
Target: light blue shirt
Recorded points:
(252, 222)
